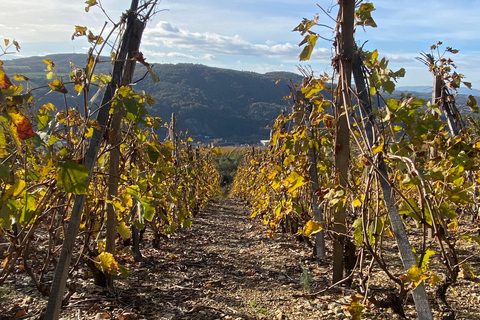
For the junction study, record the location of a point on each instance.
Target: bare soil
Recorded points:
(224, 267)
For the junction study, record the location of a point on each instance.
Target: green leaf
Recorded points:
(4, 172)
(146, 210)
(410, 209)
(28, 210)
(72, 177)
(124, 271)
(187, 223)
(472, 103)
(5, 217)
(358, 233)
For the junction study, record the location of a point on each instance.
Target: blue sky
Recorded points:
(256, 35)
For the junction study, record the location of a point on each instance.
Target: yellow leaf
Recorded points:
(80, 31)
(49, 64)
(6, 41)
(312, 227)
(19, 77)
(357, 203)
(294, 181)
(4, 80)
(78, 88)
(356, 308)
(89, 133)
(434, 279)
(123, 230)
(379, 146)
(48, 106)
(453, 225)
(57, 85)
(5, 263)
(415, 275)
(3, 143)
(106, 262)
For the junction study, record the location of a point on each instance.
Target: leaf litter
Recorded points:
(225, 267)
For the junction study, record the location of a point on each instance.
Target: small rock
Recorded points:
(322, 306)
(102, 315)
(27, 301)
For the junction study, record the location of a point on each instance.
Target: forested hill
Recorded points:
(218, 103)
(213, 102)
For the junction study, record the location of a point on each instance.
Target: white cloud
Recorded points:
(166, 35)
(177, 56)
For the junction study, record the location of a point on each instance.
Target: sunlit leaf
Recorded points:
(106, 262)
(19, 77)
(4, 80)
(357, 203)
(72, 177)
(378, 147)
(426, 258)
(308, 49)
(3, 143)
(123, 230)
(78, 87)
(18, 188)
(79, 31)
(21, 124)
(57, 85)
(50, 64)
(90, 3)
(294, 181)
(312, 227)
(364, 15)
(415, 275)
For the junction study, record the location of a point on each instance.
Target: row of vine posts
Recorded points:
(357, 167)
(92, 173)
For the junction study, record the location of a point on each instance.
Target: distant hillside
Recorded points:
(213, 102)
(218, 103)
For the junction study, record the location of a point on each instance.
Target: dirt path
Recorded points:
(223, 267)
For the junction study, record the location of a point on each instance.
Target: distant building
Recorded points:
(264, 143)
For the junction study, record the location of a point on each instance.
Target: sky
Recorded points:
(256, 35)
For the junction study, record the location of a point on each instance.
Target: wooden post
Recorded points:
(312, 169)
(405, 248)
(345, 45)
